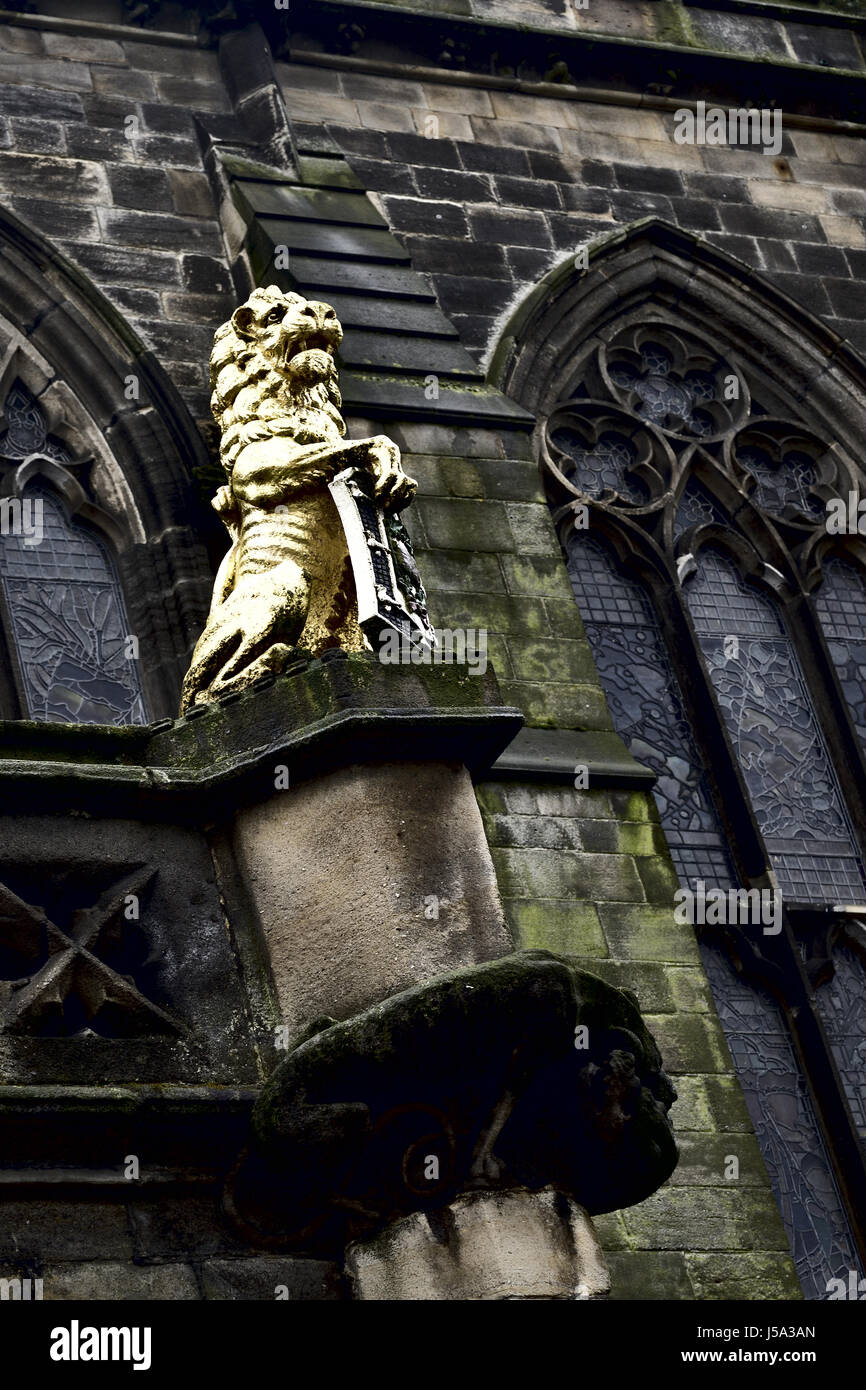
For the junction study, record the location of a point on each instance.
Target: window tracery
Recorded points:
(705, 548)
(63, 607)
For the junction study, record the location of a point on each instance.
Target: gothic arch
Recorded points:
(128, 442)
(693, 423)
(690, 282)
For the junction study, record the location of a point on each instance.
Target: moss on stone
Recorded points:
(672, 23)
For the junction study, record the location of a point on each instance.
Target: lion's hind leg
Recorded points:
(252, 632)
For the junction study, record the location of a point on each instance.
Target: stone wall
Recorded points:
(489, 186)
(588, 874)
(98, 151)
(734, 26)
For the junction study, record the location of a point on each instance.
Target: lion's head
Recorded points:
(285, 328)
(276, 348)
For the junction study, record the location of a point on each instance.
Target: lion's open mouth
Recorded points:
(311, 341)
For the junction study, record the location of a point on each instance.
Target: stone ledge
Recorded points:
(90, 28)
(586, 55)
(74, 1137)
(325, 714)
(557, 91)
(551, 755)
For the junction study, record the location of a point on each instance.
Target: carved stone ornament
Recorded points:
(535, 1074)
(311, 515)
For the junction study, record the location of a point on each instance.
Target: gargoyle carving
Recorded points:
(521, 1072)
(287, 579)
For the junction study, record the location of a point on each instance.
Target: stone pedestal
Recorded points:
(369, 880)
(485, 1245)
(434, 1114)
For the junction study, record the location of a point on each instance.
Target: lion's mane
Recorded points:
(276, 400)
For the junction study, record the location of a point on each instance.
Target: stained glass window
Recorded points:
(793, 786)
(64, 609)
(696, 408)
(786, 1127)
(664, 395)
(603, 465)
(783, 484)
(841, 607)
(649, 714)
(842, 1005)
(68, 621)
(696, 508)
(647, 707)
(25, 432)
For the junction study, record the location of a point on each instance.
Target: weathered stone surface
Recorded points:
(169, 1006)
(648, 1274)
(179, 1227)
(707, 1219)
(391, 865)
(268, 1278)
(103, 1281)
(484, 1246)
(63, 1230)
(752, 1275)
(567, 927)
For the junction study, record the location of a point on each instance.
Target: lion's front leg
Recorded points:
(394, 488)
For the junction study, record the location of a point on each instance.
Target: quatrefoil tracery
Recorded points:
(660, 422)
(794, 471)
(598, 451)
(675, 382)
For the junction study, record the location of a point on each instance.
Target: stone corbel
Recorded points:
(455, 1139)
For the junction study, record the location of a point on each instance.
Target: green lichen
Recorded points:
(673, 24)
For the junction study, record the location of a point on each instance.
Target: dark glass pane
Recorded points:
(841, 607)
(842, 1006)
(786, 1127)
(670, 393)
(782, 484)
(766, 705)
(696, 508)
(604, 465)
(649, 714)
(69, 622)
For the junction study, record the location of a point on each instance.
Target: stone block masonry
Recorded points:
(488, 206)
(587, 874)
(98, 152)
(488, 187)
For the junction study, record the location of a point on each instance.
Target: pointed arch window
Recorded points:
(729, 632)
(71, 653)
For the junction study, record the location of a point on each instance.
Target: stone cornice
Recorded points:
(669, 68)
(556, 91)
(324, 714)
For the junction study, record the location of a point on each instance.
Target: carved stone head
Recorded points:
(284, 332)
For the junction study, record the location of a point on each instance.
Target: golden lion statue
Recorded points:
(286, 580)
